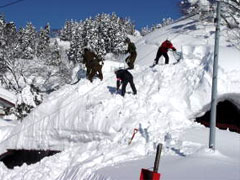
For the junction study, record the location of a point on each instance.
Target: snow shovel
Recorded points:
(134, 132)
(153, 175)
(177, 56)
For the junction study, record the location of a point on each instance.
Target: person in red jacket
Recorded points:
(162, 50)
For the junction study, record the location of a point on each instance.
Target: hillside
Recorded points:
(92, 125)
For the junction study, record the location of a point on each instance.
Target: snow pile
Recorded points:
(5, 128)
(92, 125)
(190, 159)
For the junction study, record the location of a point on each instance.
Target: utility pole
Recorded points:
(214, 81)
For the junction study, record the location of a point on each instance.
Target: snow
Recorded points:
(190, 159)
(5, 128)
(91, 125)
(7, 95)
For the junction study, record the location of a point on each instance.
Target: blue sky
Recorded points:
(56, 12)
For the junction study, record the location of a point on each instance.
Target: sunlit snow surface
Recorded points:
(92, 125)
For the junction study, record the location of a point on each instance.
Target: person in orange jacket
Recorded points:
(162, 50)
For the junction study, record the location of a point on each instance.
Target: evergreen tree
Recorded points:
(43, 42)
(8, 43)
(2, 26)
(67, 31)
(230, 10)
(128, 25)
(55, 55)
(92, 36)
(26, 42)
(10, 32)
(105, 33)
(145, 30)
(230, 14)
(102, 34)
(74, 53)
(165, 21)
(2, 46)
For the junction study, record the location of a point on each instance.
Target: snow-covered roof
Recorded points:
(7, 96)
(92, 125)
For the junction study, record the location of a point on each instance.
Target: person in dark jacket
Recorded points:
(162, 50)
(93, 64)
(124, 77)
(133, 54)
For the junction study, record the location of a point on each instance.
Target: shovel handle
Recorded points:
(134, 132)
(157, 158)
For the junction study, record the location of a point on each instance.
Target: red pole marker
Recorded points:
(149, 175)
(153, 175)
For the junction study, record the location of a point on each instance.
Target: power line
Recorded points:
(11, 3)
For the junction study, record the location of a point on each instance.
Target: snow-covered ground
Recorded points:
(92, 125)
(192, 161)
